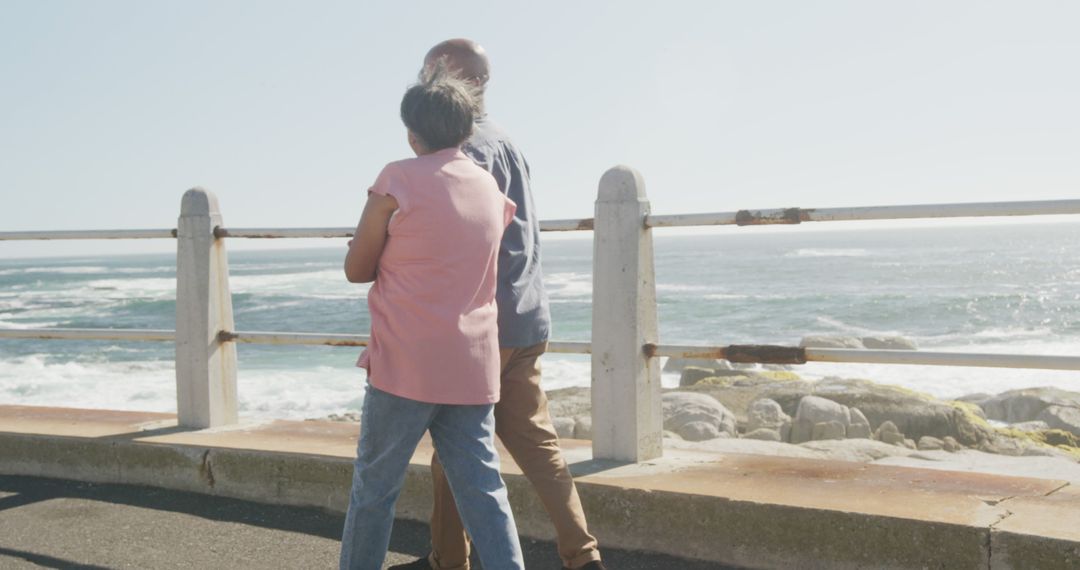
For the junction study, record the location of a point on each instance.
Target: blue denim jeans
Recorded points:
(464, 437)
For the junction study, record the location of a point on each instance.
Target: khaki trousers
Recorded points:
(524, 426)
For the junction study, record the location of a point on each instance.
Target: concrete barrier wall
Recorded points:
(752, 533)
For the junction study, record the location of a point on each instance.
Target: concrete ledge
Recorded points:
(753, 511)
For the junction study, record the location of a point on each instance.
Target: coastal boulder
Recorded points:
(736, 393)
(860, 426)
(564, 427)
(888, 433)
(696, 417)
(1026, 404)
(828, 430)
(913, 413)
(1065, 418)
(1033, 426)
(691, 375)
(889, 343)
(812, 411)
(825, 341)
(765, 413)
(583, 427)
(570, 402)
(679, 364)
(764, 434)
(927, 443)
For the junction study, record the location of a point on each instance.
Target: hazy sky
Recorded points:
(287, 110)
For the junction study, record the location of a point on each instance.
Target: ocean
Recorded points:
(993, 289)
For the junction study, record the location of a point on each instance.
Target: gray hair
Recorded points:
(440, 109)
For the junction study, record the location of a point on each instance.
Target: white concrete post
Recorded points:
(205, 366)
(626, 407)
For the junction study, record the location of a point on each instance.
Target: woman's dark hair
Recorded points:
(440, 109)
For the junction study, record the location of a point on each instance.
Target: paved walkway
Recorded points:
(49, 523)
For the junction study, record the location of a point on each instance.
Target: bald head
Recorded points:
(463, 57)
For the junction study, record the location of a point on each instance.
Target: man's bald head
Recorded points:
(463, 57)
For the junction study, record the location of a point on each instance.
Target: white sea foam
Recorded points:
(324, 284)
(851, 329)
(978, 312)
(565, 370)
(981, 337)
(568, 285)
(64, 270)
(725, 297)
(291, 266)
(34, 380)
(23, 325)
(87, 270)
(682, 288)
(151, 386)
(306, 393)
(946, 382)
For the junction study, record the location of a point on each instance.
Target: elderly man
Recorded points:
(522, 421)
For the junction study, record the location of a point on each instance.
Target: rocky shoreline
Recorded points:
(718, 401)
(768, 409)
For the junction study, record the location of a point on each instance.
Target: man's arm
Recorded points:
(367, 244)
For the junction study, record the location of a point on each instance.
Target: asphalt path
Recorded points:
(50, 523)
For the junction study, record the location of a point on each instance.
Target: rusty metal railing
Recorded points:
(762, 354)
(625, 378)
(778, 216)
(735, 353)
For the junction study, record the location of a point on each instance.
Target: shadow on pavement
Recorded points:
(409, 538)
(47, 561)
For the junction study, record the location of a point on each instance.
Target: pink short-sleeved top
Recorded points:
(434, 322)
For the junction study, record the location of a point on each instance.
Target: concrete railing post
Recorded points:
(205, 366)
(627, 417)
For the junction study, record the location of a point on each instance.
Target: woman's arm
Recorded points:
(367, 244)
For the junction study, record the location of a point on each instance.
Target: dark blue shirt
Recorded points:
(524, 316)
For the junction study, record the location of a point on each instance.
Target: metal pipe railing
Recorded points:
(87, 234)
(91, 334)
(765, 354)
(740, 218)
(768, 354)
(906, 212)
(625, 379)
(263, 337)
(974, 359)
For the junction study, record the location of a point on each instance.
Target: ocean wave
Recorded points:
(37, 380)
(313, 392)
(943, 381)
(851, 329)
(143, 287)
(308, 393)
(310, 283)
(828, 252)
(292, 266)
(682, 288)
(985, 336)
(85, 270)
(568, 284)
(564, 371)
(6, 324)
(262, 307)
